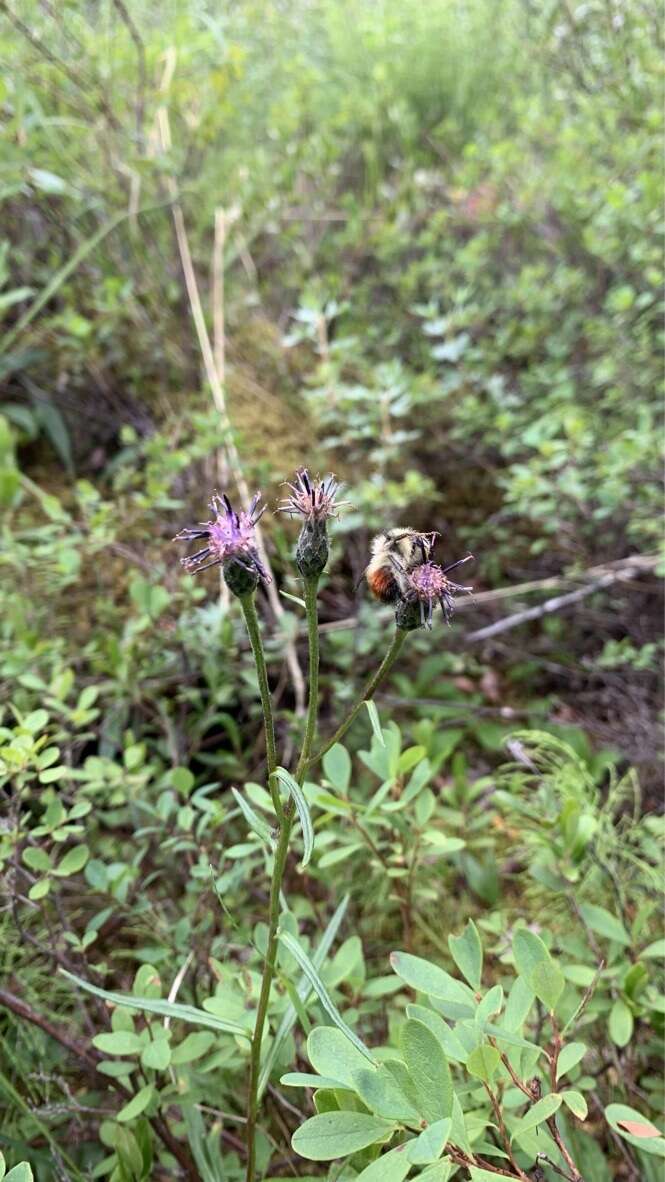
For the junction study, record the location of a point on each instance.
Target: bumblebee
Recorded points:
(394, 553)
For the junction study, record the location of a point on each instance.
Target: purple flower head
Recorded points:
(229, 535)
(429, 584)
(312, 499)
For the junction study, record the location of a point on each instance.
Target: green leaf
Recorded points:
(604, 923)
(36, 721)
(375, 721)
(20, 1173)
(194, 1046)
(255, 822)
(577, 1104)
(428, 1067)
(391, 1167)
(302, 809)
(548, 983)
(431, 1143)
(380, 1092)
(182, 779)
(168, 1009)
(657, 949)
(333, 1056)
(37, 859)
(636, 1129)
(483, 1062)
(337, 767)
(73, 861)
(319, 988)
(39, 889)
(620, 1023)
(537, 1114)
(336, 1134)
(303, 1079)
(119, 1042)
(157, 1054)
(529, 951)
(137, 1104)
(466, 950)
(569, 1057)
(303, 990)
(435, 982)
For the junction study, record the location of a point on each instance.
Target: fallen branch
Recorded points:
(629, 569)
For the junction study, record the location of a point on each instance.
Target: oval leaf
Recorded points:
(336, 1134)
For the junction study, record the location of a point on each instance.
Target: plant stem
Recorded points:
(248, 606)
(286, 815)
(367, 694)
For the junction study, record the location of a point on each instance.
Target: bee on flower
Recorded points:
(427, 585)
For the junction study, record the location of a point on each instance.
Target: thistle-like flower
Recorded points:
(315, 501)
(231, 543)
(428, 584)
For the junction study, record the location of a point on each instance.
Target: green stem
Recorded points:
(367, 694)
(248, 606)
(285, 825)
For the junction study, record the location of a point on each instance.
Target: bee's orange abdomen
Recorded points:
(383, 585)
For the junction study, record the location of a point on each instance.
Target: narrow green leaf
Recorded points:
(391, 1167)
(577, 1104)
(169, 1009)
(604, 923)
(483, 1062)
(430, 1144)
(303, 990)
(73, 861)
(569, 1057)
(428, 1067)
(537, 1114)
(137, 1104)
(336, 1134)
(321, 992)
(467, 952)
(655, 950)
(302, 808)
(255, 822)
(194, 1046)
(20, 1173)
(375, 721)
(302, 1079)
(620, 1023)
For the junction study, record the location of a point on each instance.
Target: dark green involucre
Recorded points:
(408, 615)
(312, 549)
(240, 575)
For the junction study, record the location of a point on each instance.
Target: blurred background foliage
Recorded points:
(442, 279)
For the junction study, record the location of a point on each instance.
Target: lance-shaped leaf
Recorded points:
(324, 997)
(302, 808)
(169, 1009)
